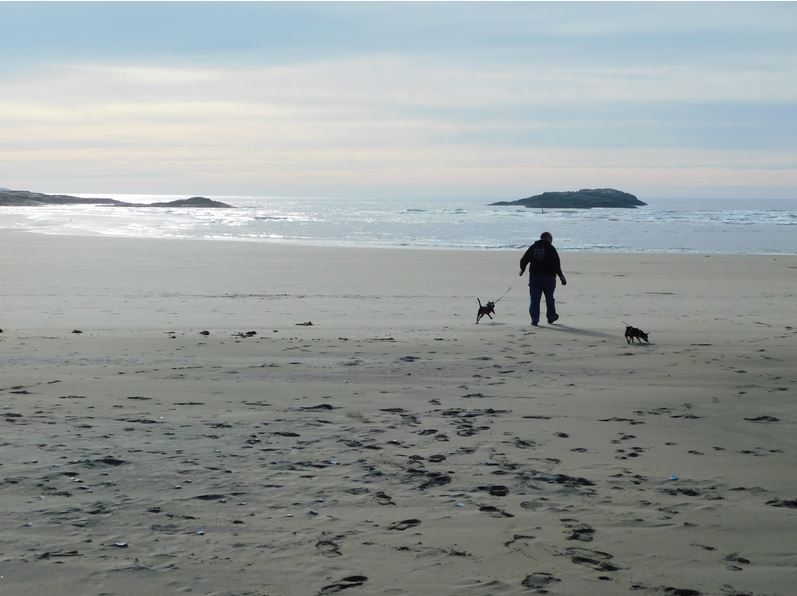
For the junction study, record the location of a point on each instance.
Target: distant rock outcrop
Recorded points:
(202, 202)
(25, 198)
(585, 198)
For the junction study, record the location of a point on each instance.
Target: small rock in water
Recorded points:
(76, 331)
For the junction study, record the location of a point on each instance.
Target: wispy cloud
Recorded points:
(516, 117)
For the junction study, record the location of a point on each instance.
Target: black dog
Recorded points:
(485, 310)
(633, 332)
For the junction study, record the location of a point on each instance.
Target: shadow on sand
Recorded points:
(577, 331)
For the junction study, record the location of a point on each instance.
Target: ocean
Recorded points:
(664, 226)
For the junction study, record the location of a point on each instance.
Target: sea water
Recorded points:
(669, 226)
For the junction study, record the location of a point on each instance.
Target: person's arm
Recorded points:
(558, 267)
(524, 260)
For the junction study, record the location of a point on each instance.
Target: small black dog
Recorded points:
(485, 310)
(633, 332)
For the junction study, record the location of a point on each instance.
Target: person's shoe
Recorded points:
(534, 323)
(553, 319)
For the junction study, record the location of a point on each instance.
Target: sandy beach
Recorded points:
(173, 423)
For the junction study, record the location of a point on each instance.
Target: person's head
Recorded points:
(546, 237)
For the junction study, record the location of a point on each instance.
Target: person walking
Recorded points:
(544, 267)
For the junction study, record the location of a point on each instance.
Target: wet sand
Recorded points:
(171, 422)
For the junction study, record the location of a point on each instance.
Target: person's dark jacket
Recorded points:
(547, 265)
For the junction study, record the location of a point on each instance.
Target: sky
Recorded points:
(497, 99)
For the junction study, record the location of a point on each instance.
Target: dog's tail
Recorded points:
(626, 324)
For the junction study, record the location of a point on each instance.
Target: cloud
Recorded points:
(408, 81)
(395, 121)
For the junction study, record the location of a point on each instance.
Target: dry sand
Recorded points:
(393, 447)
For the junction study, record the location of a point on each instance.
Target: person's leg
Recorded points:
(535, 293)
(550, 304)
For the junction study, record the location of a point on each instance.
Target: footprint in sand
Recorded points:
(351, 581)
(539, 582)
(329, 548)
(763, 419)
(495, 511)
(578, 531)
(734, 558)
(670, 591)
(496, 490)
(383, 498)
(792, 504)
(596, 559)
(404, 525)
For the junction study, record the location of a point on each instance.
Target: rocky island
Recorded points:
(585, 198)
(26, 198)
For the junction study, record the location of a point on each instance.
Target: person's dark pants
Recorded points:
(539, 285)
